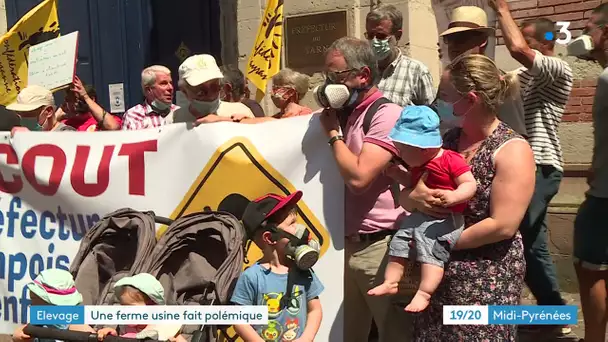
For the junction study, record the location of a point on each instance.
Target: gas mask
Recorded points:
(336, 96)
(303, 250)
(581, 47)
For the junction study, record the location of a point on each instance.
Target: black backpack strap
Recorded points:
(367, 122)
(371, 111)
(292, 275)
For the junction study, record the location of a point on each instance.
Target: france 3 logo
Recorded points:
(563, 29)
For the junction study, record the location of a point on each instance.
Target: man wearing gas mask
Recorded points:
(590, 231)
(404, 81)
(199, 81)
(546, 82)
(468, 33)
(283, 276)
(371, 211)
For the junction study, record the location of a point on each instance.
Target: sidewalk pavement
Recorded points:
(578, 330)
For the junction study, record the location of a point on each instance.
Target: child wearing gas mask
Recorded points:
(282, 279)
(416, 135)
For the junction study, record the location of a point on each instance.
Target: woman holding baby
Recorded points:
(487, 265)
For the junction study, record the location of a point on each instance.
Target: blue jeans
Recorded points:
(541, 276)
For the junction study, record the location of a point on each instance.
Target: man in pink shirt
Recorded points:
(371, 214)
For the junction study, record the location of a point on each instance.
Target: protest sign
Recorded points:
(52, 64)
(38, 25)
(443, 14)
(265, 59)
(56, 185)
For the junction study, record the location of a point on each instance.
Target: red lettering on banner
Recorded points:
(103, 172)
(134, 151)
(59, 163)
(11, 158)
(137, 166)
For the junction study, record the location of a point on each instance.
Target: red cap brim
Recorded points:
(283, 202)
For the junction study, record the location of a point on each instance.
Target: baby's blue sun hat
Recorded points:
(417, 126)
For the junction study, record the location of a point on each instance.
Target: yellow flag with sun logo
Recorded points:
(38, 25)
(265, 59)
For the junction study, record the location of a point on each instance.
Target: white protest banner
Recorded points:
(52, 64)
(443, 14)
(56, 185)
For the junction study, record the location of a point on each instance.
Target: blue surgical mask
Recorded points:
(160, 106)
(31, 124)
(205, 108)
(445, 110)
(381, 48)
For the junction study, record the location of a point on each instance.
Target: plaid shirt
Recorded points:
(407, 82)
(142, 116)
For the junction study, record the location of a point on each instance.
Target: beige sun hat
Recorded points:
(198, 69)
(468, 18)
(30, 98)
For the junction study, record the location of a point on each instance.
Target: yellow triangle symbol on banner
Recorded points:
(237, 167)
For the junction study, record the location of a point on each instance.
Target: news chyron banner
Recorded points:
(55, 186)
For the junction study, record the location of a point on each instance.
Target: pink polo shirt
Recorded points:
(374, 210)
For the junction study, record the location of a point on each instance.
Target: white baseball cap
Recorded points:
(198, 69)
(32, 97)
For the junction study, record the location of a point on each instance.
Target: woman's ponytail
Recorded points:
(509, 86)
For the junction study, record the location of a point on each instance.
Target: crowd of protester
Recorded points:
(504, 126)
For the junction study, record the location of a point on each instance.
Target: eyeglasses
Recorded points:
(377, 35)
(336, 76)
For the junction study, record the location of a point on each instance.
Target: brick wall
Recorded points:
(580, 102)
(576, 12)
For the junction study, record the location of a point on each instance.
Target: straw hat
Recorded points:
(468, 18)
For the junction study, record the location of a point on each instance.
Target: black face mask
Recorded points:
(81, 107)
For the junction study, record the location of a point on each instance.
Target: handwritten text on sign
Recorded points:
(51, 64)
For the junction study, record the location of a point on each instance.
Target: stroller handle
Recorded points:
(163, 220)
(68, 335)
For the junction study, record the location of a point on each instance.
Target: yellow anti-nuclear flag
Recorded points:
(38, 25)
(265, 59)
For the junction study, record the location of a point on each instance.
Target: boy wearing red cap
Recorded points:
(282, 279)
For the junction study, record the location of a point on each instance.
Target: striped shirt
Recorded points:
(545, 90)
(407, 82)
(143, 116)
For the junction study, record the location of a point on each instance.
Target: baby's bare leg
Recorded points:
(392, 276)
(431, 278)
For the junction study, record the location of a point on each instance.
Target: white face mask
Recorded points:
(205, 108)
(334, 96)
(580, 46)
